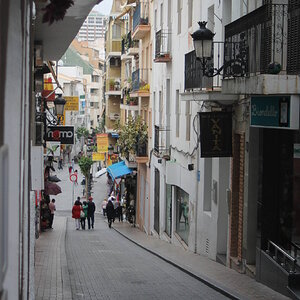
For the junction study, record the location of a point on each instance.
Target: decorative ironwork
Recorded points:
(161, 141)
(162, 43)
(140, 80)
(141, 150)
(141, 15)
(293, 47)
(128, 43)
(257, 42)
(193, 74)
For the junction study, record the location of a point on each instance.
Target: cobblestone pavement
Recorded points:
(104, 265)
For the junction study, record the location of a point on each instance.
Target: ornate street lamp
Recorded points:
(59, 103)
(203, 45)
(203, 39)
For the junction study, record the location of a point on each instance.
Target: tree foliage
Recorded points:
(85, 164)
(82, 131)
(132, 134)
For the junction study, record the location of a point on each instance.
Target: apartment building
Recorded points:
(93, 27)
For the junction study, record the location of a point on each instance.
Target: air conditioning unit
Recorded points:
(114, 116)
(39, 133)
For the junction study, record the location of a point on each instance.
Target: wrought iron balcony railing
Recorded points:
(163, 45)
(142, 150)
(161, 141)
(140, 80)
(141, 15)
(128, 43)
(265, 41)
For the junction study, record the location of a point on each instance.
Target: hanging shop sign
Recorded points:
(72, 103)
(98, 156)
(102, 142)
(62, 134)
(216, 134)
(275, 112)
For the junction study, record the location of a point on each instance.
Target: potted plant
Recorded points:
(111, 84)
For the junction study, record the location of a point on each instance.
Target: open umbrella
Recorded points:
(100, 173)
(52, 188)
(53, 178)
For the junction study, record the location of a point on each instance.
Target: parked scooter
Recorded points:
(130, 214)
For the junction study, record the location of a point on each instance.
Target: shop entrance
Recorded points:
(276, 209)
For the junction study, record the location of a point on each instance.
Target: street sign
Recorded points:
(72, 103)
(62, 134)
(73, 177)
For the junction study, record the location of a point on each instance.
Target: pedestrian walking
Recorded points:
(52, 208)
(91, 213)
(85, 211)
(110, 211)
(76, 213)
(103, 205)
(70, 169)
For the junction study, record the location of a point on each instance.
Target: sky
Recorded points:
(104, 7)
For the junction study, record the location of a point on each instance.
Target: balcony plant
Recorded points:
(131, 134)
(111, 84)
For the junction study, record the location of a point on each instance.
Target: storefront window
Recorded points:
(168, 209)
(182, 214)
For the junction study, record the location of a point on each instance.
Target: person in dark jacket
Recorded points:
(110, 212)
(91, 212)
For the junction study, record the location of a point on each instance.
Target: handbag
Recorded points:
(82, 214)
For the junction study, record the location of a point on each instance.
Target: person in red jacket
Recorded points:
(76, 213)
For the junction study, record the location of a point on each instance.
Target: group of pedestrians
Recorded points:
(83, 211)
(112, 209)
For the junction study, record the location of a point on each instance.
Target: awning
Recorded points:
(118, 170)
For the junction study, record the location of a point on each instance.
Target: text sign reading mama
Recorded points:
(62, 134)
(216, 134)
(270, 111)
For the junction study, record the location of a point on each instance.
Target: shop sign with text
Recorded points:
(62, 134)
(216, 134)
(102, 142)
(270, 111)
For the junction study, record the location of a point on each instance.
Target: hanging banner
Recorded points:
(216, 134)
(72, 103)
(102, 142)
(48, 89)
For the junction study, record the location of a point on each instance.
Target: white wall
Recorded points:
(16, 136)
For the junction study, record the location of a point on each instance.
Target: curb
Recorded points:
(217, 287)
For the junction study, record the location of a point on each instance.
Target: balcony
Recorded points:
(263, 48)
(141, 26)
(130, 47)
(113, 48)
(140, 83)
(142, 153)
(113, 87)
(161, 142)
(163, 46)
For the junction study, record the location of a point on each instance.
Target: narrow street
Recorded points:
(101, 263)
(123, 262)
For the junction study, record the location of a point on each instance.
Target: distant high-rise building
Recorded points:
(93, 27)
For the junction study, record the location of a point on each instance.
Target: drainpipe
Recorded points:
(197, 185)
